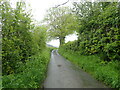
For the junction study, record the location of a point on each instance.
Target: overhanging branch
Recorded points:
(61, 4)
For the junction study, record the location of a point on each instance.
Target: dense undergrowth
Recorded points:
(108, 72)
(30, 74)
(24, 52)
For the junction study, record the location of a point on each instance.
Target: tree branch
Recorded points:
(61, 4)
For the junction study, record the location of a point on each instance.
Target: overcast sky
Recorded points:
(39, 8)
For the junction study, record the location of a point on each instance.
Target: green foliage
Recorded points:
(108, 72)
(98, 41)
(21, 39)
(99, 29)
(31, 74)
(24, 53)
(61, 22)
(16, 40)
(39, 38)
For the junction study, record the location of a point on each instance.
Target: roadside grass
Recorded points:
(107, 72)
(31, 74)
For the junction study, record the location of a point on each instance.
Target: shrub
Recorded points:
(31, 74)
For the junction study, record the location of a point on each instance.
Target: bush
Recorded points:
(99, 29)
(21, 38)
(31, 74)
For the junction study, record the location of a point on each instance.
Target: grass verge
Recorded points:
(31, 74)
(101, 70)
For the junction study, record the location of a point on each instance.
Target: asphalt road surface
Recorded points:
(63, 74)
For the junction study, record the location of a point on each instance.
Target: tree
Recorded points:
(99, 29)
(62, 22)
(20, 38)
(16, 36)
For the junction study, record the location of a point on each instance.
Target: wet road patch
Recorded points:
(59, 65)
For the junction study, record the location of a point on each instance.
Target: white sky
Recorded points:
(39, 8)
(68, 38)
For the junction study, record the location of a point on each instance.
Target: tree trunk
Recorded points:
(62, 40)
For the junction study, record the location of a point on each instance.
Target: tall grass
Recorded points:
(31, 74)
(108, 72)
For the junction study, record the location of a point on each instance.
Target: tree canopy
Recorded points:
(62, 22)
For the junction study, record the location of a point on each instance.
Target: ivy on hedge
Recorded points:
(99, 31)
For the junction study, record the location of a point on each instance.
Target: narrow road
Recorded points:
(63, 74)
